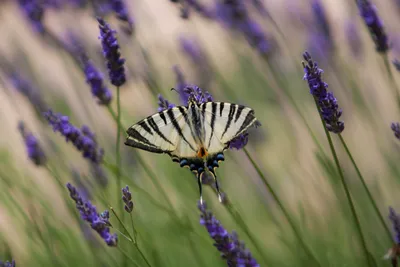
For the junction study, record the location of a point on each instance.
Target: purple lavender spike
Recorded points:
(396, 224)
(232, 250)
(33, 148)
(95, 80)
(164, 104)
(374, 23)
(7, 264)
(327, 103)
(120, 9)
(33, 11)
(115, 64)
(99, 222)
(127, 198)
(83, 139)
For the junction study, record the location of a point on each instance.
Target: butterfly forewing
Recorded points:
(157, 133)
(224, 122)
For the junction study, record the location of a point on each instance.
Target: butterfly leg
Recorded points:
(197, 167)
(212, 164)
(200, 187)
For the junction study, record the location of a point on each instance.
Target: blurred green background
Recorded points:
(39, 225)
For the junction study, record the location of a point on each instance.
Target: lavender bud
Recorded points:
(95, 80)
(231, 249)
(83, 139)
(327, 103)
(99, 222)
(7, 264)
(374, 23)
(115, 64)
(119, 7)
(33, 11)
(163, 103)
(33, 148)
(127, 198)
(396, 224)
(396, 129)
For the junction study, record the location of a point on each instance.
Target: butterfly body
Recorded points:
(195, 136)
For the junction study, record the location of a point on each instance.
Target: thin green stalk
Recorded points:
(121, 223)
(133, 227)
(346, 189)
(283, 209)
(142, 255)
(117, 149)
(128, 257)
(391, 78)
(371, 198)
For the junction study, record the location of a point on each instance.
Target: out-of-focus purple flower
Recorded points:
(396, 224)
(127, 198)
(396, 129)
(83, 139)
(102, 8)
(233, 13)
(99, 222)
(120, 9)
(396, 63)
(260, 7)
(164, 104)
(79, 3)
(327, 103)
(374, 23)
(354, 39)
(99, 174)
(7, 264)
(33, 11)
(231, 249)
(321, 21)
(200, 8)
(115, 64)
(198, 57)
(74, 45)
(95, 80)
(33, 148)
(180, 84)
(26, 88)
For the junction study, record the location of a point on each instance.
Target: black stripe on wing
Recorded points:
(248, 121)
(213, 117)
(171, 116)
(232, 110)
(157, 130)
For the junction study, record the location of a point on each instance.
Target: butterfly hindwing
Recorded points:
(224, 122)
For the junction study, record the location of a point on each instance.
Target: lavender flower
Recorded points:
(95, 80)
(396, 63)
(327, 103)
(122, 13)
(198, 95)
(33, 148)
(233, 13)
(99, 222)
(180, 84)
(396, 224)
(115, 64)
(239, 142)
(200, 8)
(163, 103)
(374, 23)
(396, 129)
(74, 45)
(83, 139)
(7, 264)
(127, 198)
(231, 249)
(33, 11)
(354, 39)
(321, 21)
(26, 88)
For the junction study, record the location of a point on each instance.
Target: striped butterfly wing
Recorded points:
(224, 122)
(163, 132)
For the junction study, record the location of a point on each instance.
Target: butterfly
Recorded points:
(195, 136)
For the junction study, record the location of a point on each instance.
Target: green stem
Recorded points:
(122, 224)
(366, 187)
(345, 187)
(283, 209)
(142, 255)
(127, 256)
(117, 149)
(133, 228)
(391, 78)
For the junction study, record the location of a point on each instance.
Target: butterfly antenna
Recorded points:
(173, 89)
(200, 188)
